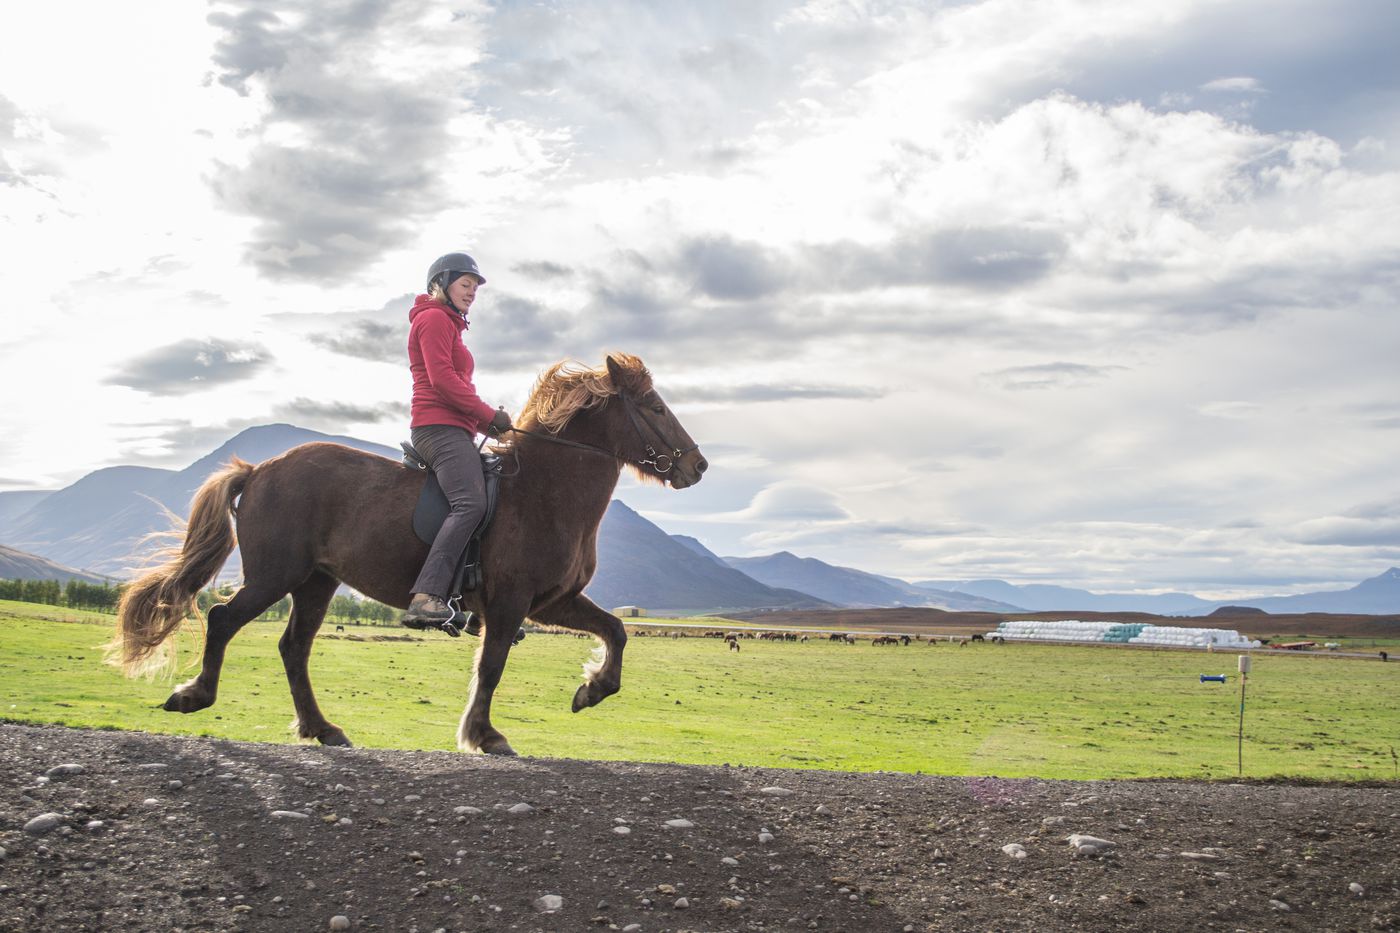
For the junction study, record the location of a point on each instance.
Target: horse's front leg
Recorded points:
(602, 677)
(476, 734)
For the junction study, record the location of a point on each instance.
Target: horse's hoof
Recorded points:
(336, 738)
(182, 702)
(498, 747)
(591, 695)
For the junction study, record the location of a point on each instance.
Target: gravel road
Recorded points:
(134, 832)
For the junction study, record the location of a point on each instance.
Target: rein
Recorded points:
(634, 415)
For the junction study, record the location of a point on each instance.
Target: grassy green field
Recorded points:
(1011, 711)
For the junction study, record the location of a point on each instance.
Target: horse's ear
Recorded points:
(616, 373)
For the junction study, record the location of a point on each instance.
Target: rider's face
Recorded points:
(462, 292)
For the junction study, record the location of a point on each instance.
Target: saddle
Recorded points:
(432, 510)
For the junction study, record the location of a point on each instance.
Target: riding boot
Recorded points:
(426, 611)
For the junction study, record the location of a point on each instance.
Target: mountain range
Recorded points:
(641, 565)
(103, 521)
(1040, 597)
(17, 565)
(856, 589)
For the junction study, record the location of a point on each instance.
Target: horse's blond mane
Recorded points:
(568, 387)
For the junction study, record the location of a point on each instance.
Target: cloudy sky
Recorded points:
(1092, 293)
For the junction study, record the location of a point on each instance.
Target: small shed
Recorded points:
(629, 612)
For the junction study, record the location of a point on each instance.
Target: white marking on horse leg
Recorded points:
(463, 742)
(595, 663)
(296, 729)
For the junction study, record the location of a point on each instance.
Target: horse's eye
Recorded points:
(659, 408)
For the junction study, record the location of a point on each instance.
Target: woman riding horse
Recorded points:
(446, 414)
(322, 514)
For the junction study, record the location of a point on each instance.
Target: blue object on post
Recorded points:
(1212, 678)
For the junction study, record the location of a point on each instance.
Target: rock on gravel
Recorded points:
(1085, 844)
(1015, 850)
(679, 824)
(43, 823)
(64, 771)
(339, 922)
(549, 903)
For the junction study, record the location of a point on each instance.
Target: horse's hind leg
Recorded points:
(601, 678)
(225, 619)
(309, 603)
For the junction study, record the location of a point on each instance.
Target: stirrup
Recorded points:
(430, 625)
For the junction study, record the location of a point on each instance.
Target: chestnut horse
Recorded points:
(324, 514)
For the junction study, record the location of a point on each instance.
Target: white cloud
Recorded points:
(1237, 411)
(1240, 85)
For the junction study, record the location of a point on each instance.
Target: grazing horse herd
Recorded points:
(732, 639)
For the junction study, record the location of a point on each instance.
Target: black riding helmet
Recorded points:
(451, 266)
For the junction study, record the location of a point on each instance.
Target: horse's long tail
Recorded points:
(152, 608)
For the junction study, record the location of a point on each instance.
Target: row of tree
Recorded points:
(75, 593)
(103, 597)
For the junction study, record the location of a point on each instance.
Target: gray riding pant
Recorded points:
(451, 452)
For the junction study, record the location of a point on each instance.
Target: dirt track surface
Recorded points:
(188, 840)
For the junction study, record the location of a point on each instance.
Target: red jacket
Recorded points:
(442, 369)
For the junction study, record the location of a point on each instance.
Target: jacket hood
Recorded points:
(424, 302)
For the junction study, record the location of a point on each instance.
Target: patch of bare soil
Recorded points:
(153, 832)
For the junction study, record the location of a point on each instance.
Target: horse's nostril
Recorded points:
(702, 465)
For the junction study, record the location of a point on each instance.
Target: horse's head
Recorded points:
(650, 435)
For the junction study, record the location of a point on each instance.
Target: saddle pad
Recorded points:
(432, 508)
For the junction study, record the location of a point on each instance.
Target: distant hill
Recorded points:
(641, 565)
(1380, 595)
(99, 521)
(17, 565)
(1376, 596)
(1041, 597)
(699, 548)
(16, 503)
(848, 587)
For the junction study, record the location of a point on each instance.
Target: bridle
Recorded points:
(638, 419)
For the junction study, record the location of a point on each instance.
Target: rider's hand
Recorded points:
(500, 423)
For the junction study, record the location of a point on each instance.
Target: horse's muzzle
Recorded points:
(688, 470)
